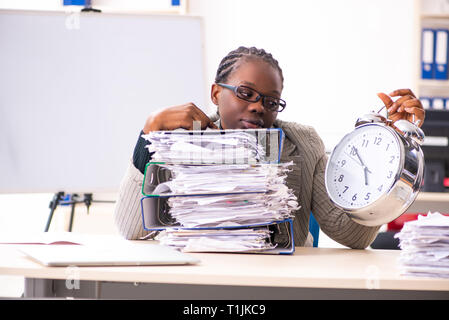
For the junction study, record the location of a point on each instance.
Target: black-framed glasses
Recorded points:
(249, 94)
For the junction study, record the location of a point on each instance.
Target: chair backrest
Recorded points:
(314, 229)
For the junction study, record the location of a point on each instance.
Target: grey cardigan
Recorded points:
(303, 146)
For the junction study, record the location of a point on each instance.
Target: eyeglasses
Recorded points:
(249, 94)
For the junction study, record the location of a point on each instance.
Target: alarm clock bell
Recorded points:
(410, 131)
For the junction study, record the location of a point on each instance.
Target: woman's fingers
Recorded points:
(199, 115)
(402, 92)
(419, 113)
(385, 99)
(183, 116)
(398, 105)
(407, 106)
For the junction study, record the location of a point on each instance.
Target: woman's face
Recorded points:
(236, 113)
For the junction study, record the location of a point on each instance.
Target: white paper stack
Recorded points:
(218, 240)
(192, 179)
(425, 246)
(228, 195)
(208, 147)
(222, 194)
(232, 209)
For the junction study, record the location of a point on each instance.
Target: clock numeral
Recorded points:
(367, 196)
(392, 158)
(346, 188)
(343, 162)
(354, 197)
(380, 188)
(390, 174)
(365, 143)
(353, 152)
(377, 141)
(340, 178)
(388, 145)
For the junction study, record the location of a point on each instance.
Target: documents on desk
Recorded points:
(219, 240)
(215, 146)
(425, 246)
(225, 191)
(248, 194)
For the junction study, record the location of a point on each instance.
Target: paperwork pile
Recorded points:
(229, 195)
(214, 146)
(219, 240)
(224, 193)
(425, 246)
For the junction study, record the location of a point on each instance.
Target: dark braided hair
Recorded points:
(229, 63)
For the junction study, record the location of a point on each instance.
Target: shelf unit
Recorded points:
(433, 14)
(430, 14)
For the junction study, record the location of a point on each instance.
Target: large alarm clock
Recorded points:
(376, 171)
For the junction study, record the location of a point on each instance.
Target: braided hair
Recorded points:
(229, 63)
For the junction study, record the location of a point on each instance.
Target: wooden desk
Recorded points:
(430, 201)
(311, 273)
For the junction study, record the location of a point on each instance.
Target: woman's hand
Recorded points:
(176, 117)
(404, 107)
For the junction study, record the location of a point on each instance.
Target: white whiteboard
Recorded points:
(73, 101)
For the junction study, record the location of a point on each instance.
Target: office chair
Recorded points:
(314, 229)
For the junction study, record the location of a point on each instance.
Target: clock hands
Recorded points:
(365, 171)
(358, 156)
(365, 168)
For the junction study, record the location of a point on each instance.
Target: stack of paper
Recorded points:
(425, 246)
(232, 209)
(223, 191)
(228, 195)
(213, 146)
(191, 179)
(218, 240)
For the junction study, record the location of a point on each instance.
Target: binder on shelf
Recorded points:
(435, 103)
(441, 54)
(438, 103)
(155, 217)
(426, 102)
(428, 54)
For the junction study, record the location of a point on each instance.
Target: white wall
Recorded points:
(335, 55)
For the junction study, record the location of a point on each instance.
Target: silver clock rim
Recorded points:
(400, 194)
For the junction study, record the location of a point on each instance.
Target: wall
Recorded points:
(335, 55)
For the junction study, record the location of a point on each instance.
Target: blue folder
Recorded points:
(441, 54)
(428, 54)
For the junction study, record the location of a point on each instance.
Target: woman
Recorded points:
(247, 93)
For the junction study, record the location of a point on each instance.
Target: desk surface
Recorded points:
(307, 268)
(430, 201)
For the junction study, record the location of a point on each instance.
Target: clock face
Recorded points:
(363, 166)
